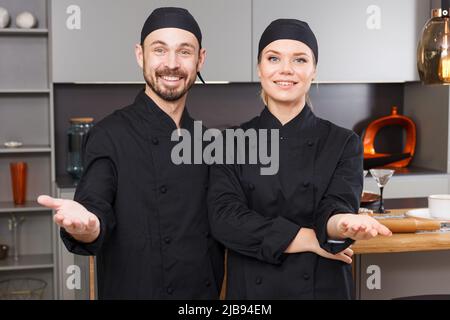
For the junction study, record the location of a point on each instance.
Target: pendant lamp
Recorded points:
(433, 52)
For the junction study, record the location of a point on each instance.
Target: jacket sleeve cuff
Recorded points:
(330, 245)
(81, 248)
(281, 234)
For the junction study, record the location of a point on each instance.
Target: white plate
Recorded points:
(422, 213)
(13, 144)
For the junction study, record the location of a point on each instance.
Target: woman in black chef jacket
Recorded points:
(288, 234)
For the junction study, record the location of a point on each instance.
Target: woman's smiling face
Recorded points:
(286, 70)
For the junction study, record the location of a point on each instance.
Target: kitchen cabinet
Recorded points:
(93, 41)
(26, 115)
(403, 275)
(359, 40)
(404, 265)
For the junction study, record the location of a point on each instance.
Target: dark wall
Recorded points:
(349, 105)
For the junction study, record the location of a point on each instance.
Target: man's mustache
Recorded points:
(171, 73)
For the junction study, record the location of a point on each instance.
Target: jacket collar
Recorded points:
(304, 120)
(158, 118)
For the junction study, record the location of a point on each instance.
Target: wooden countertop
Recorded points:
(404, 242)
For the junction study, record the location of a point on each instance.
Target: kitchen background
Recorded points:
(78, 61)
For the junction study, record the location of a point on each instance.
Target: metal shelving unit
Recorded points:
(25, 91)
(26, 115)
(29, 206)
(26, 149)
(17, 31)
(27, 262)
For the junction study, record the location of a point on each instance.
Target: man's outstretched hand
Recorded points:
(81, 224)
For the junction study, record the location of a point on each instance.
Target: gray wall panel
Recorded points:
(428, 106)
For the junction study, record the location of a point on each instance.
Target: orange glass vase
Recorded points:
(19, 181)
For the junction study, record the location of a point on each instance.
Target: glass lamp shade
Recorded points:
(433, 52)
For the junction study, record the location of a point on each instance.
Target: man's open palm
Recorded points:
(73, 217)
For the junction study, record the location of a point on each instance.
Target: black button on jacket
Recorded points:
(154, 241)
(257, 216)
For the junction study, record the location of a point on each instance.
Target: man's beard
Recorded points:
(168, 94)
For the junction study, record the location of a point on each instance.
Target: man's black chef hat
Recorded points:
(291, 29)
(171, 17)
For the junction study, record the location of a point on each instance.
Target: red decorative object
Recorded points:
(394, 119)
(19, 181)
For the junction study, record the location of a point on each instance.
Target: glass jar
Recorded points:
(76, 134)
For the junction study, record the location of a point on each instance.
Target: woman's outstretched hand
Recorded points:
(356, 227)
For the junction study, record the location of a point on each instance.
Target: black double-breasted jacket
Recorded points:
(155, 240)
(257, 216)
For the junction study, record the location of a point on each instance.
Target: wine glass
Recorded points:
(382, 177)
(364, 175)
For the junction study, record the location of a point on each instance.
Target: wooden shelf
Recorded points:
(29, 206)
(26, 149)
(17, 31)
(27, 262)
(24, 91)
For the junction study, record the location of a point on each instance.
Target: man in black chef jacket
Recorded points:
(143, 216)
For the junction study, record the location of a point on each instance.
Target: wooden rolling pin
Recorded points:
(410, 225)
